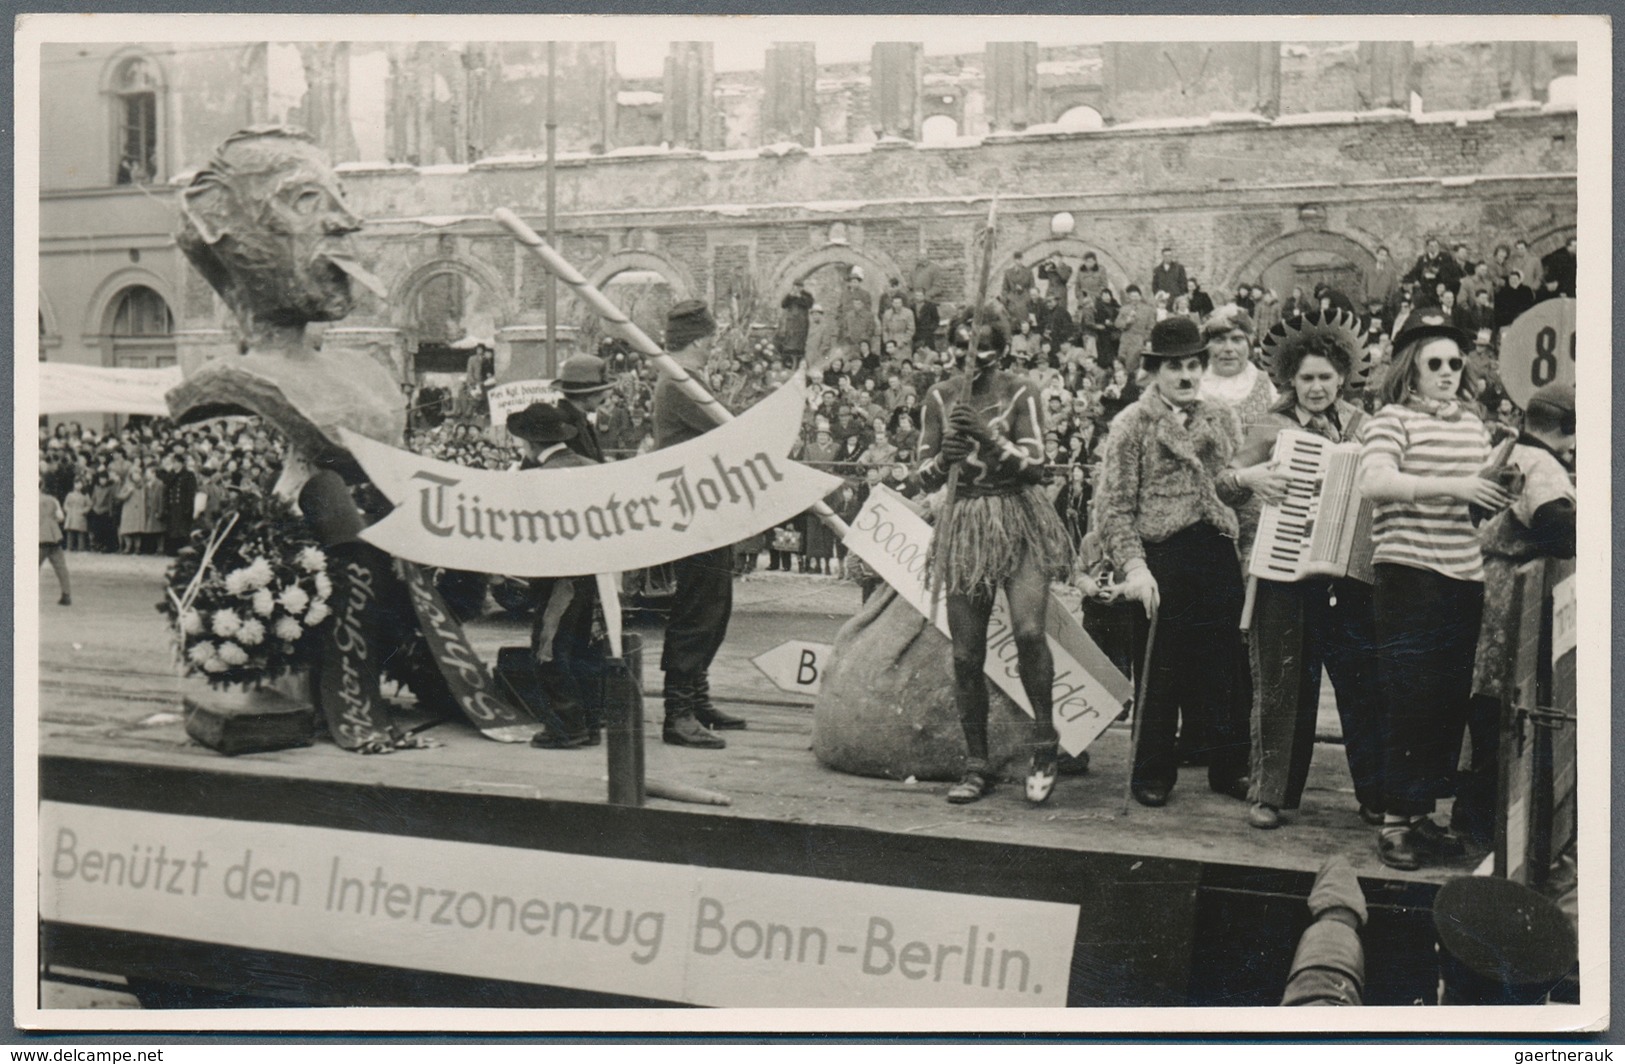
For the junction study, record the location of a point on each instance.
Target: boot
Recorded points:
(710, 715)
(681, 727)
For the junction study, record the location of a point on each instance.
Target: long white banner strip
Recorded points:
(719, 488)
(70, 388)
(1089, 690)
(671, 932)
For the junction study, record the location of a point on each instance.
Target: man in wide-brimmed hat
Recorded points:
(584, 382)
(703, 603)
(561, 631)
(1164, 511)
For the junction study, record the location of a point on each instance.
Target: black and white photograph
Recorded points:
(802, 524)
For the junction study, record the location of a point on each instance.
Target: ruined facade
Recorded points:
(728, 186)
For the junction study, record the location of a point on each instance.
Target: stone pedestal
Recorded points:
(521, 353)
(1012, 85)
(896, 72)
(790, 101)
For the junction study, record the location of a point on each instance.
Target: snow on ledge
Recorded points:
(639, 98)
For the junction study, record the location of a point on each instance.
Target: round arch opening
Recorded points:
(1302, 261)
(140, 329)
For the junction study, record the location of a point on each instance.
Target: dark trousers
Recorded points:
(1297, 629)
(1427, 632)
(561, 639)
(1198, 666)
(700, 609)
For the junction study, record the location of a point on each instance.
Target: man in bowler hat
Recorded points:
(704, 598)
(1164, 512)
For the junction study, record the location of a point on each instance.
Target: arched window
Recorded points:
(938, 129)
(142, 330)
(1080, 117)
(136, 88)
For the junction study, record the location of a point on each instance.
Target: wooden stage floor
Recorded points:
(108, 691)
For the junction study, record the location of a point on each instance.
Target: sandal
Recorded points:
(971, 786)
(1041, 772)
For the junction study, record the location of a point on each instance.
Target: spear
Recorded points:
(940, 549)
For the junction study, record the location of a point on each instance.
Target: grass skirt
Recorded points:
(991, 536)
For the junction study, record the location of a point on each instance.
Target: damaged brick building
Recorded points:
(1284, 163)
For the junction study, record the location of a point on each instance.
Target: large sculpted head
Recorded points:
(267, 226)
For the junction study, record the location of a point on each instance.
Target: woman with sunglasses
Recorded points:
(1420, 463)
(1299, 627)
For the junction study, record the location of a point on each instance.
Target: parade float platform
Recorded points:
(773, 899)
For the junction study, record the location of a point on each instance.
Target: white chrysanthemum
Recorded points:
(324, 586)
(311, 560)
(200, 652)
(237, 582)
(191, 622)
(226, 623)
(214, 664)
(251, 634)
(260, 573)
(264, 602)
(317, 613)
(232, 654)
(289, 629)
(294, 599)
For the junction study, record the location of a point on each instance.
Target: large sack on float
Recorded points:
(886, 703)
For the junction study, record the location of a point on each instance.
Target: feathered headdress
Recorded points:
(1284, 344)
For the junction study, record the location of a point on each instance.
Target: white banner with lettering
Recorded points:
(713, 490)
(68, 388)
(1089, 690)
(669, 932)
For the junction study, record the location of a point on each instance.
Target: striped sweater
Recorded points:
(1434, 534)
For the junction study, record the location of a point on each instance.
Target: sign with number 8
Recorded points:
(1538, 349)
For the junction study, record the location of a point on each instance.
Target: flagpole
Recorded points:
(624, 327)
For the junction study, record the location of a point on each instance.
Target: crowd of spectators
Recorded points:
(142, 487)
(872, 361)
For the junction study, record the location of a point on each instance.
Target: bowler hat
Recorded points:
(1432, 321)
(583, 375)
(541, 423)
(1176, 337)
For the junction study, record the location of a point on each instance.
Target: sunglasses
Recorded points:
(1435, 364)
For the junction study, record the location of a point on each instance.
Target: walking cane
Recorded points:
(1142, 680)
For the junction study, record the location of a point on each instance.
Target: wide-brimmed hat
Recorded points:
(583, 375)
(1284, 344)
(541, 423)
(1431, 321)
(1176, 337)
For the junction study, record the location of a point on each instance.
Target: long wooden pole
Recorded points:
(624, 327)
(941, 545)
(552, 214)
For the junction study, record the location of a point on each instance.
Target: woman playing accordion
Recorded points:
(1301, 626)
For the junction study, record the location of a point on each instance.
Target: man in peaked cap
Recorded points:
(561, 631)
(703, 602)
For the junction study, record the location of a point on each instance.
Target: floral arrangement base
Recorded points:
(247, 722)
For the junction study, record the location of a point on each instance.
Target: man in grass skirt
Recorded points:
(1001, 532)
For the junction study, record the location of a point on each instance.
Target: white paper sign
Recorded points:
(1089, 690)
(796, 666)
(70, 388)
(713, 490)
(669, 932)
(514, 396)
(1565, 618)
